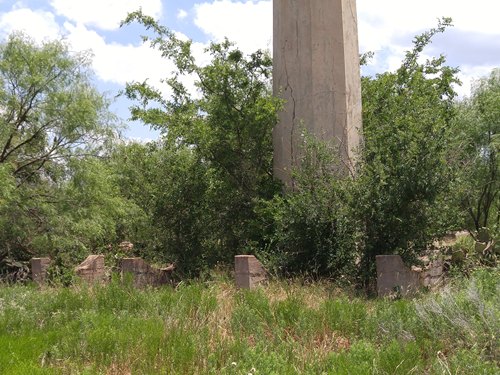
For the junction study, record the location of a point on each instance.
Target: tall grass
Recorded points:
(212, 328)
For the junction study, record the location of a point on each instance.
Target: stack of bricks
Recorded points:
(432, 272)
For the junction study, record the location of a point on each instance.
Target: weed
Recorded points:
(285, 328)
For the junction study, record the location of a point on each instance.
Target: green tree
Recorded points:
(401, 198)
(221, 135)
(49, 107)
(476, 127)
(170, 186)
(403, 183)
(51, 119)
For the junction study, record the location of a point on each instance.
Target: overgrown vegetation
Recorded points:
(477, 129)
(205, 192)
(405, 175)
(285, 328)
(56, 196)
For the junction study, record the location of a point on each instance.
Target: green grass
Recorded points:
(284, 328)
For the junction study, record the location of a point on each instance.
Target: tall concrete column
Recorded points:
(316, 71)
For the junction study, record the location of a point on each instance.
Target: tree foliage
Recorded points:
(205, 191)
(477, 127)
(400, 199)
(49, 107)
(51, 120)
(312, 230)
(216, 142)
(405, 172)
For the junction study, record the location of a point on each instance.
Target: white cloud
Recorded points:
(104, 14)
(40, 25)
(386, 27)
(469, 74)
(480, 15)
(112, 62)
(248, 24)
(122, 63)
(380, 22)
(119, 63)
(181, 14)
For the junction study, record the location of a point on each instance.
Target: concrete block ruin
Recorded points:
(395, 278)
(249, 272)
(316, 71)
(92, 270)
(39, 268)
(431, 274)
(143, 274)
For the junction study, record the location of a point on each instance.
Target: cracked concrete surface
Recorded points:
(316, 72)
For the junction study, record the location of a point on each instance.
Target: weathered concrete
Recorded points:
(39, 268)
(92, 269)
(249, 272)
(393, 277)
(431, 275)
(316, 71)
(144, 274)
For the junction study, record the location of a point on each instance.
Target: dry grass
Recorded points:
(284, 327)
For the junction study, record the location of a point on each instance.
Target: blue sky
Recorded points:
(386, 27)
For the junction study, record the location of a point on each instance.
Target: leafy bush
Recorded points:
(402, 193)
(216, 149)
(400, 199)
(314, 231)
(467, 255)
(477, 128)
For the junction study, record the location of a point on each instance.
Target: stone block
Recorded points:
(139, 270)
(39, 268)
(249, 272)
(431, 274)
(428, 281)
(393, 277)
(143, 274)
(435, 270)
(92, 269)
